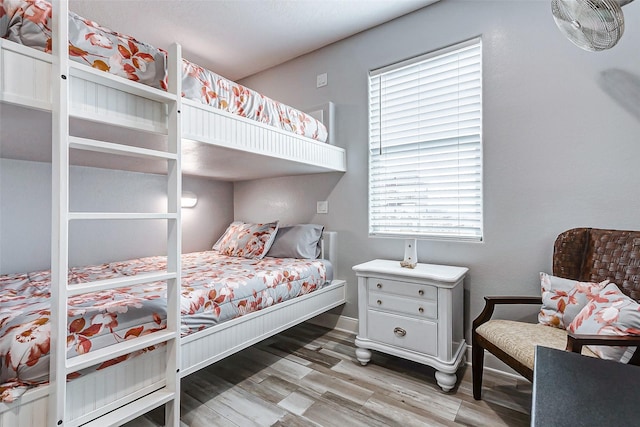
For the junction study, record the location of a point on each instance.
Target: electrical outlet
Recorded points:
(321, 80)
(322, 207)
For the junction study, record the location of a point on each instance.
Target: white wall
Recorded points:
(559, 152)
(25, 215)
(265, 200)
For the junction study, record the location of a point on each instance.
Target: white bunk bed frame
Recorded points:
(198, 136)
(92, 395)
(216, 144)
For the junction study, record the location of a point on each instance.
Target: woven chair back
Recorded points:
(594, 255)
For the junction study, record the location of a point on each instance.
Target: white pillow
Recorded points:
(297, 241)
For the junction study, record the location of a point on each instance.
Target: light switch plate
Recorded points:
(322, 207)
(321, 80)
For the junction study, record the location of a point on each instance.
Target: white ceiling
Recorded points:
(238, 38)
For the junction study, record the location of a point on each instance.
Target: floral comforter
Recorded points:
(215, 288)
(28, 22)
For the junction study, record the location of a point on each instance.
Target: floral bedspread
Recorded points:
(215, 288)
(28, 22)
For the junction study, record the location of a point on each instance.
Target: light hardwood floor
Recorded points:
(309, 376)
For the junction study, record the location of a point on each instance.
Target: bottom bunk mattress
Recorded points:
(215, 288)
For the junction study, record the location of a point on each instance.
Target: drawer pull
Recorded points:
(421, 310)
(420, 292)
(400, 332)
(379, 285)
(379, 302)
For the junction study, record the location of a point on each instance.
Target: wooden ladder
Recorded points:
(168, 392)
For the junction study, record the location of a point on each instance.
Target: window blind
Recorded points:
(425, 145)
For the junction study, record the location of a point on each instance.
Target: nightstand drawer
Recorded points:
(411, 334)
(409, 306)
(406, 289)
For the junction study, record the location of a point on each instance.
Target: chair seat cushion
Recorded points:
(519, 339)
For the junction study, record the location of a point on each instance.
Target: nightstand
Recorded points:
(416, 314)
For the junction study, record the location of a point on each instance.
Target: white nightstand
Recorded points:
(415, 313)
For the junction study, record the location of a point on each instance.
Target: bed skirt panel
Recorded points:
(210, 345)
(91, 395)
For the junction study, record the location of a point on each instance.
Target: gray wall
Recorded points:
(25, 215)
(290, 200)
(560, 150)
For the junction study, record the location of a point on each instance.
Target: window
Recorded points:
(425, 145)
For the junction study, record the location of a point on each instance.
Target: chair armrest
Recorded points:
(575, 342)
(491, 302)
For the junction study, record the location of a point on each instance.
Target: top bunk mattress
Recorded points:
(28, 22)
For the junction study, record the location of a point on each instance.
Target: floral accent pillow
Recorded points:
(610, 312)
(246, 240)
(562, 299)
(4, 21)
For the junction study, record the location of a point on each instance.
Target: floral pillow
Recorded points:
(4, 20)
(610, 312)
(246, 240)
(562, 299)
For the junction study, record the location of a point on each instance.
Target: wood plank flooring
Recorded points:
(309, 376)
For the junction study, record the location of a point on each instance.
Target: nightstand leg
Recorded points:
(446, 381)
(363, 355)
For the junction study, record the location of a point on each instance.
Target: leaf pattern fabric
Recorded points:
(215, 288)
(247, 239)
(609, 312)
(28, 22)
(562, 299)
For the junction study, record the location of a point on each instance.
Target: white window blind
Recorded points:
(425, 145)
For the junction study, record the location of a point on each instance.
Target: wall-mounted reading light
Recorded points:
(189, 199)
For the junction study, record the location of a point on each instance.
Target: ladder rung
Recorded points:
(90, 74)
(120, 215)
(120, 149)
(113, 351)
(118, 282)
(133, 410)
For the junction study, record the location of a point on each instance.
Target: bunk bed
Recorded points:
(222, 314)
(55, 94)
(220, 118)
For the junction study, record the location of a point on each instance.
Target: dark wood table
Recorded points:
(574, 390)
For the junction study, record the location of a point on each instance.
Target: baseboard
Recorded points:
(336, 321)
